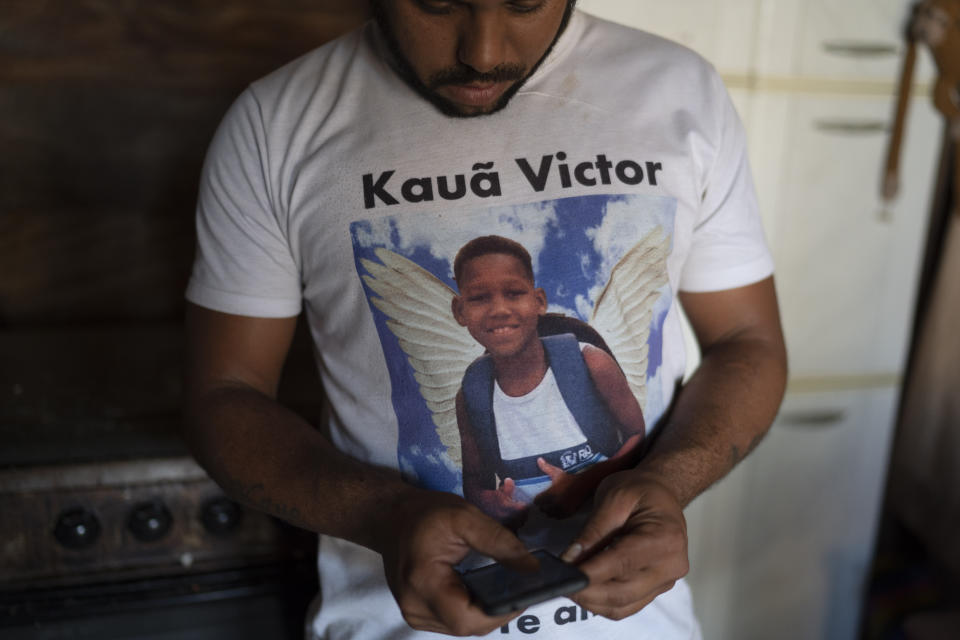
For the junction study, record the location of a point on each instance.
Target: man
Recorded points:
(343, 184)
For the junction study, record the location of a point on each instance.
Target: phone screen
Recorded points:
(498, 589)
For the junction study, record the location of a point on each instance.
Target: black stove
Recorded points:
(108, 528)
(106, 546)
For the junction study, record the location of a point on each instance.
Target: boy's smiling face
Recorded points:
(498, 303)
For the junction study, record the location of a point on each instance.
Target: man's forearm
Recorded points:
(720, 415)
(267, 457)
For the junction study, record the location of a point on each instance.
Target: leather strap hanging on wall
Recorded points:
(924, 487)
(935, 23)
(891, 179)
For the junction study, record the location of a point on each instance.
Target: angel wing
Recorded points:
(417, 305)
(624, 309)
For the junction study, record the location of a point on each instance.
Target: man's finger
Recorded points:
(655, 547)
(490, 538)
(615, 602)
(630, 573)
(607, 519)
(458, 616)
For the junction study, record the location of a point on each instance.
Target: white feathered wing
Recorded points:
(417, 305)
(624, 309)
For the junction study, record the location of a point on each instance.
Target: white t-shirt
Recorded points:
(332, 187)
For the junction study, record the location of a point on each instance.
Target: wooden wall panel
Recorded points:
(82, 394)
(97, 200)
(106, 109)
(173, 43)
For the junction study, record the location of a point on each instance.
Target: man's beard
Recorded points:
(462, 74)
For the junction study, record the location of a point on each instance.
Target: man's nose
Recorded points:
(482, 43)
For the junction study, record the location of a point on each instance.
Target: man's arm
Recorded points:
(634, 547)
(268, 457)
(728, 405)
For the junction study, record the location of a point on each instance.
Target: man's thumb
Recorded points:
(492, 539)
(606, 520)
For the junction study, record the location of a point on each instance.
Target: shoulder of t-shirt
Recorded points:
(619, 39)
(314, 70)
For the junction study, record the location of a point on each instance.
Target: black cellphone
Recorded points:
(499, 590)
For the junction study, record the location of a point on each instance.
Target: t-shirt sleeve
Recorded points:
(244, 264)
(728, 246)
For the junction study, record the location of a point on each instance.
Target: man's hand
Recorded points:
(429, 533)
(634, 546)
(565, 494)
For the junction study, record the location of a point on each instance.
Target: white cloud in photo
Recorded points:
(584, 307)
(526, 224)
(377, 235)
(557, 308)
(625, 223)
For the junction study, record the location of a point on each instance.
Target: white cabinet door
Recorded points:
(845, 40)
(722, 32)
(782, 547)
(848, 40)
(811, 507)
(847, 263)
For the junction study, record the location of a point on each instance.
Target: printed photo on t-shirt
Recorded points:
(523, 343)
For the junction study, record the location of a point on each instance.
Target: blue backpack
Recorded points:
(588, 408)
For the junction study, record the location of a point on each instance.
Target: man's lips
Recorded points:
(475, 94)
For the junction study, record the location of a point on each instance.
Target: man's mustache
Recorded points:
(463, 74)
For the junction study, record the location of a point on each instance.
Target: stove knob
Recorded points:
(77, 528)
(149, 521)
(220, 516)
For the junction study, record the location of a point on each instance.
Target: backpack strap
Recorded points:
(580, 394)
(477, 389)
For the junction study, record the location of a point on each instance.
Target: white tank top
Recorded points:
(535, 423)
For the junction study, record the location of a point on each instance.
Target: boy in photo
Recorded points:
(541, 419)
